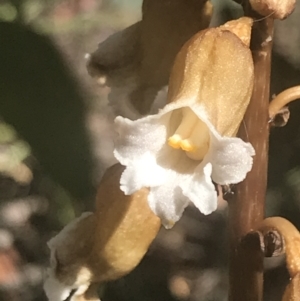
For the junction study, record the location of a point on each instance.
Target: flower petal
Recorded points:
(55, 290)
(143, 172)
(167, 201)
(231, 159)
(147, 134)
(201, 191)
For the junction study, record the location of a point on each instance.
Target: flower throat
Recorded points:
(192, 136)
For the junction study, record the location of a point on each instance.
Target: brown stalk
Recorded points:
(246, 208)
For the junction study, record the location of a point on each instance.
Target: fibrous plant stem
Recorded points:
(246, 208)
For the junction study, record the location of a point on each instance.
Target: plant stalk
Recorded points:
(246, 208)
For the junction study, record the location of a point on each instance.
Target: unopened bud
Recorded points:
(276, 9)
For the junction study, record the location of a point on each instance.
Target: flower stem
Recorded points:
(282, 99)
(246, 209)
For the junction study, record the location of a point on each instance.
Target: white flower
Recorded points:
(179, 151)
(171, 173)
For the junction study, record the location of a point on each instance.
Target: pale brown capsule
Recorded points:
(276, 9)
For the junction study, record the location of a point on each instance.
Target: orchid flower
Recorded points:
(191, 142)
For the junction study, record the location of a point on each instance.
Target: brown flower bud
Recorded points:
(276, 9)
(104, 245)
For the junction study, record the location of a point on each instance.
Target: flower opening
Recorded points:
(192, 135)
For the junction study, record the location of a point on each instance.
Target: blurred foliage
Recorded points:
(40, 98)
(13, 152)
(58, 16)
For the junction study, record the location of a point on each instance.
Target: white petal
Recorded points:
(201, 191)
(138, 137)
(143, 172)
(56, 291)
(167, 201)
(151, 170)
(231, 159)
